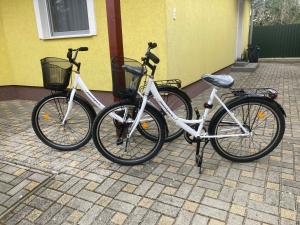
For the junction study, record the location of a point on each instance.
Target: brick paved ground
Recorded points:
(39, 185)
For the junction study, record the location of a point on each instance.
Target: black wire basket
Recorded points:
(126, 81)
(56, 73)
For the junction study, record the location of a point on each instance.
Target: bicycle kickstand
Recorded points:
(199, 153)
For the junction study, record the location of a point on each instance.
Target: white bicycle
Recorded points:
(246, 128)
(63, 120)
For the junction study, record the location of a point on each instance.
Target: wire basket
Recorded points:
(56, 73)
(125, 82)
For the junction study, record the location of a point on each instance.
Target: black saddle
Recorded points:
(138, 71)
(222, 81)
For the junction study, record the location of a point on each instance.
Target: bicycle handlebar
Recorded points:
(73, 59)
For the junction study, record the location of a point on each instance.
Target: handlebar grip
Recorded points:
(152, 45)
(153, 57)
(83, 49)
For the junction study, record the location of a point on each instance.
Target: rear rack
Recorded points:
(159, 83)
(263, 92)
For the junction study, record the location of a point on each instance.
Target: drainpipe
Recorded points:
(114, 25)
(251, 23)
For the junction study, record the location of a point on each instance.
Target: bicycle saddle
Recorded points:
(222, 81)
(139, 71)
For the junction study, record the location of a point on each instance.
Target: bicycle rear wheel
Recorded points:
(111, 140)
(47, 117)
(179, 103)
(260, 116)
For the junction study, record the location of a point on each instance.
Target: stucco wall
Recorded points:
(24, 48)
(6, 75)
(202, 38)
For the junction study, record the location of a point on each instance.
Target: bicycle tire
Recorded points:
(250, 101)
(99, 137)
(178, 98)
(44, 137)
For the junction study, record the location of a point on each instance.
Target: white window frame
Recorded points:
(43, 21)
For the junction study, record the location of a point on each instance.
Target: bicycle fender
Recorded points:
(257, 96)
(184, 95)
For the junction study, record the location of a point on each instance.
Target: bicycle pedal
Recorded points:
(119, 141)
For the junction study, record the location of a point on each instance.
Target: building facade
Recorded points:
(194, 37)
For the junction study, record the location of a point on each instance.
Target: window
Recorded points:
(65, 18)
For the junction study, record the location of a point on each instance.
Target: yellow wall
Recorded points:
(25, 49)
(5, 68)
(144, 21)
(202, 39)
(246, 23)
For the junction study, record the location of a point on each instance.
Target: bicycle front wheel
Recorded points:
(111, 137)
(260, 116)
(47, 117)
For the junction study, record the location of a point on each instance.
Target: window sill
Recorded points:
(68, 36)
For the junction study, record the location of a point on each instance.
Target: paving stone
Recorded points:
(88, 195)
(200, 220)
(261, 216)
(171, 200)
(184, 217)
(121, 206)
(90, 216)
(80, 204)
(165, 209)
(155, 191)
(130, 198)
(151, 218)
(212, 212)
(136, 217)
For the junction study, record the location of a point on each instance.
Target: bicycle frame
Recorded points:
(183, 123)
(79, 82)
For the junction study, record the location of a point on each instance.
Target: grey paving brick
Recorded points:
(38, 177)
(40, 203)
(4, 187)
(90, 216)
(272, 197)
(143, 187)
(155, 191)
(196, 194)
(115, 189)
(240, 197)
(95, 177)
(165, 209)
(288, 200)
(226, 194)
(131, 179)
(184, 190)
(61, 216)
(127, 197)
(80, 204)
(212, 212)
(48, 214)
(77, 187)
(171, 200)
(215, 203)
(151, 218)
(263, 207)
(235, 219)
(105, 185)
(19, 216)
(136, 217)
(51, 194)
(88, 195)
(5, 177)
(261, 216)
(121, 206)
(200, 220)
(70, 183)
(184, 218)
(104, 217)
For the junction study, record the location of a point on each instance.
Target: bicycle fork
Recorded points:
(70, 106)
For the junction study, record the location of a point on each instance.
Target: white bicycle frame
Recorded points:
(183, 123)
(79, 82)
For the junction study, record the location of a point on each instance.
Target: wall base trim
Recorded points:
(13, 92)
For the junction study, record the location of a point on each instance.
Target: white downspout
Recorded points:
(239, 32)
